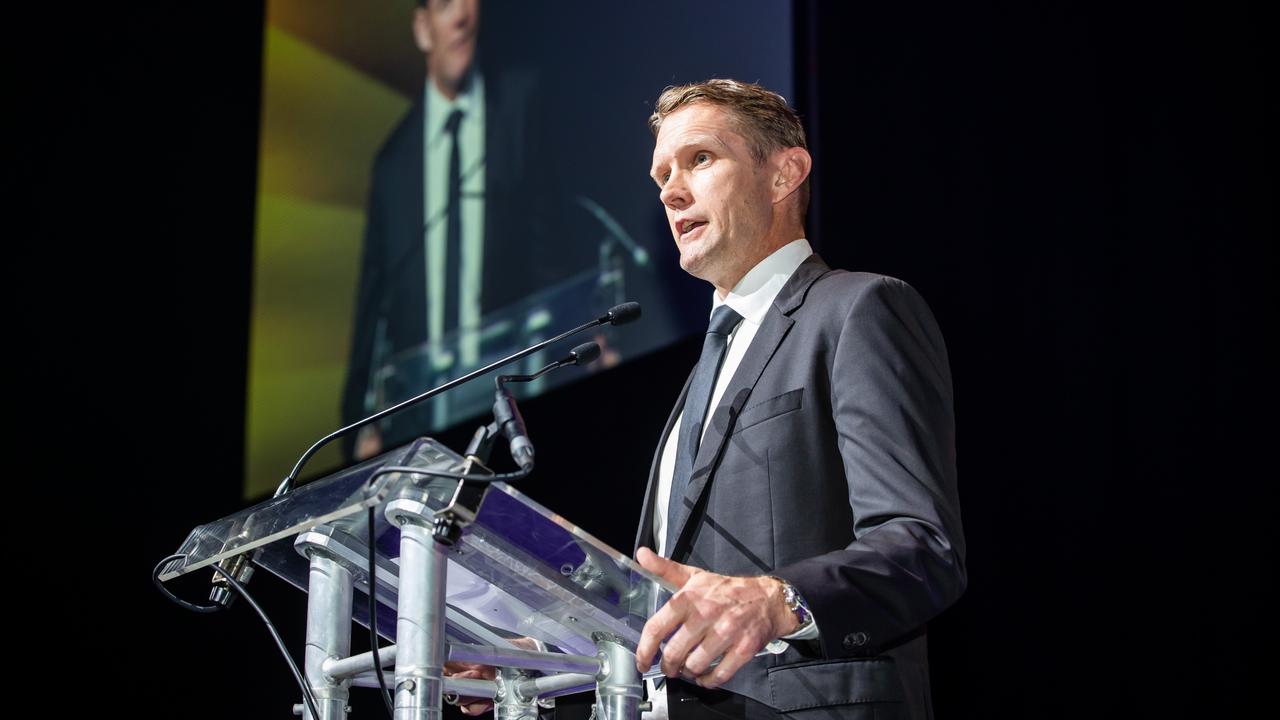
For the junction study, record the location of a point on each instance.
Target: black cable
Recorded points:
(307, 696)
(373, 603)
(373, 619)
(388, 469)
(155, 578)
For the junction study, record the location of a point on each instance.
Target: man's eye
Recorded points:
(701, 158)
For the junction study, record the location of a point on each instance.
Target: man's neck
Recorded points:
(723, 290)
(451, 91)
(448, 92)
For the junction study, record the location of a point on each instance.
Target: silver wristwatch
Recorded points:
(796, 604)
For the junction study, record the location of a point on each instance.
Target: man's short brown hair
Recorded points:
(763, 117)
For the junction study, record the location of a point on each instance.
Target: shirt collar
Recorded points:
(755, 292)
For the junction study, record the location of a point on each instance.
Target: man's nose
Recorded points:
(675, 193)
(461, 13)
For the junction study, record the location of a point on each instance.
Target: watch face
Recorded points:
(789, 592)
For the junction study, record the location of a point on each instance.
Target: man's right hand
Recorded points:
(477, 671)
(471, 671)
(368, 442)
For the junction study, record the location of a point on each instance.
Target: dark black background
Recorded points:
(1084, 194)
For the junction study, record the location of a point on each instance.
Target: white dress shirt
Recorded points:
(751, 299)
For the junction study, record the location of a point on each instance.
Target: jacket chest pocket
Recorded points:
(789, 401)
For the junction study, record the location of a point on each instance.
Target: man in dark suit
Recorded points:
(805, 487)
(452, 228)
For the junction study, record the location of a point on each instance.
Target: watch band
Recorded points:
(796, 604)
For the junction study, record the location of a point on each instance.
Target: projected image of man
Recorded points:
(451, 229)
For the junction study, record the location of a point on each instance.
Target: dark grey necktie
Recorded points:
(723, 321)
(453, 227)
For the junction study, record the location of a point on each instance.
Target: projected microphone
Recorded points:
(507, 416)
(615, 232)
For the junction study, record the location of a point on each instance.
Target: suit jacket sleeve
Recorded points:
(893, 414)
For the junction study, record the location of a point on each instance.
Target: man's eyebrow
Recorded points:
(710, 139)
(720, 141)
(707, 139)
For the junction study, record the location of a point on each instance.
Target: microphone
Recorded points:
(617, 315)
(586, 353)
(507, 416)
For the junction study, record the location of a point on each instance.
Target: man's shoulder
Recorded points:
(513, 87)
(842, 301)
(832, 297)
(406, 137)
(838, 279)
(850, 287)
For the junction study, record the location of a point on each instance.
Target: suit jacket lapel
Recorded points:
(644, 534)
(764, 346)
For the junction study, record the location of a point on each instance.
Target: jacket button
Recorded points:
(854, 640)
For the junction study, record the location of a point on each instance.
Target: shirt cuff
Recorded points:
(808, 631)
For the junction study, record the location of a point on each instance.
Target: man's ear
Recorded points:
(791, 168)
(421, 30)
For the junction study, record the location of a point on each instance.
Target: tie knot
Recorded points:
(454, 120)
(723, 320)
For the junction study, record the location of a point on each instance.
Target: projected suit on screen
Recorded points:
(452, 220)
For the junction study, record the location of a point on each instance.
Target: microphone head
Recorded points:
(584, 353)
(622, 314)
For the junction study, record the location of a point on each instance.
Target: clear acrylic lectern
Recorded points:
(461, 571)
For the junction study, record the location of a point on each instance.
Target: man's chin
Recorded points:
(692, 264)
(698, 267)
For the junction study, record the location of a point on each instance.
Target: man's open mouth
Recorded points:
(687, 226)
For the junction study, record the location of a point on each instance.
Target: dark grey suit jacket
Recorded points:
(830, 462)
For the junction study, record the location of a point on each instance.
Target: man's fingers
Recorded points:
(526, 643)
(738, 655)
(710, 615)
(478, 707)
(686, 640)
(678, 648)
(470, 670)
(651, 561)
(646, 649)
(714, 643)
(659, 626)
(667, 569)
